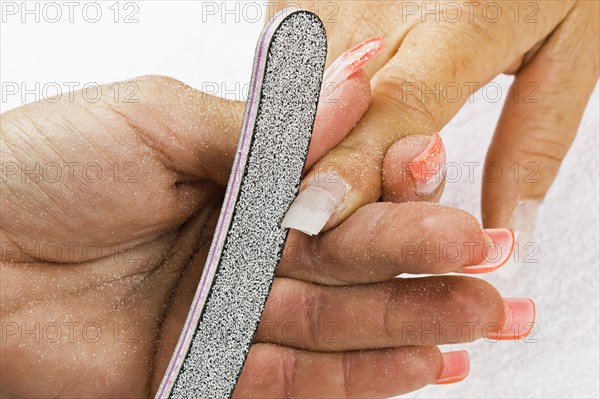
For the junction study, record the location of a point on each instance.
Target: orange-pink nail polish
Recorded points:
(456, 367)
(520, 319)
(497, 252)
(427, 169)
(352, 60)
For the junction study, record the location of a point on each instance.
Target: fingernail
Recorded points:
(427, 169)
(456, 367)
(352, 60)
(497, 251)
(520, 319)
(313, 207)
(522, 221)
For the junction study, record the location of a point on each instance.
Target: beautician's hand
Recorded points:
(436, 54)
(107, 213)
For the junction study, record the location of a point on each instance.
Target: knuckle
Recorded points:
(544, 143)
(541, 154)
(407, 98)
(355, 152)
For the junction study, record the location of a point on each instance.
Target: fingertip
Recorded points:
(413, 169)
(456, 367)
(496, 252)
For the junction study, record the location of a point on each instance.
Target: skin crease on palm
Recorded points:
(123, 252)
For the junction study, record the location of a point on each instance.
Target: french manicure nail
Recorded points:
(456, 367)
(497, 251)
(427, 169)
(520, 319)
(522, 222)
(313, 207)
(352, 60)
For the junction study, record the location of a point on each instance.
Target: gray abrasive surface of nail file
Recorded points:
(248, 242)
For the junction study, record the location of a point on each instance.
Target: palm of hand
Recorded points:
(101, 262)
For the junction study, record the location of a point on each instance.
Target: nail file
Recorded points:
(248, 241)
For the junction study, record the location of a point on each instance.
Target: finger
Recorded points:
(345, 97)
(414, 311)
(539, 122)
(382, 240)
(410, 97)
(413, 169)
(276, 372)
(340, 108)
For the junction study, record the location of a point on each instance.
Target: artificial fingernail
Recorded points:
(352, 60)
(313, 207)
(520, 319)
(427, 169)
(522, 222)
(496, 252)
(456, 367)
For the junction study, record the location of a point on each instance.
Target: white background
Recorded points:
(172, 39)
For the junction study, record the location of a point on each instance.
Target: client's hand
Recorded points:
(437, 54)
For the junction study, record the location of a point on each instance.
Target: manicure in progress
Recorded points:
(313, 207)
(352, 60)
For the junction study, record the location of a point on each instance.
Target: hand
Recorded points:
(431, 63)
(108, 211)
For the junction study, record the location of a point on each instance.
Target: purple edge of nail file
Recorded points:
(248, 242)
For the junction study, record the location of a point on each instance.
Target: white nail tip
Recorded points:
(431, 185)
(310, 211)
(313, 207)
(524, 216)
(522, 222)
